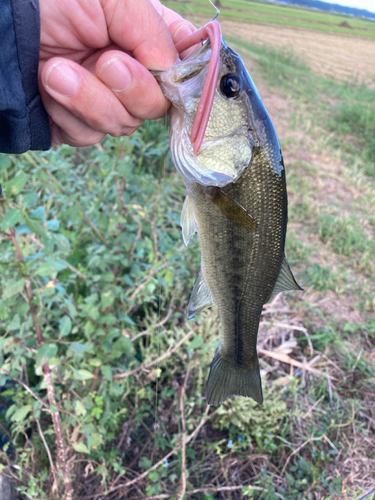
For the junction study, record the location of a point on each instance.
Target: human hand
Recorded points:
(94, 62)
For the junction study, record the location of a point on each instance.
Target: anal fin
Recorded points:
(201, 297)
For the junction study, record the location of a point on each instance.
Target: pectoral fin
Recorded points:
(286, 280)
(188, 221)
(201, 297)
(230, 208)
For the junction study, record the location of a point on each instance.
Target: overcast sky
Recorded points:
(360, 4)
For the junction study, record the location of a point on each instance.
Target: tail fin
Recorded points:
(227, 379)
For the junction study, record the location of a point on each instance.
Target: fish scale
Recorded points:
(241, 266)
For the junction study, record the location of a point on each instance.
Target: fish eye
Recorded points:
(230, 85)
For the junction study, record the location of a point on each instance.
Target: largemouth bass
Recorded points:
(225, 145)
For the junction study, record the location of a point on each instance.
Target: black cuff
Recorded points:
(24, 123)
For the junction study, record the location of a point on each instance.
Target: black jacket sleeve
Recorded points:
(24, 123)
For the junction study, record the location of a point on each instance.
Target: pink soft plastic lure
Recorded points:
(211, 30)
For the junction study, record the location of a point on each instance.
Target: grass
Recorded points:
(356, 120)
(264, 12)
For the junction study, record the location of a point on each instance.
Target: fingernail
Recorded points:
(183, 31)
(115, 74)
(62, 79)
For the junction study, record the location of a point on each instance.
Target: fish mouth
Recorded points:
(187, 68)
(211, 31)
(193, 66)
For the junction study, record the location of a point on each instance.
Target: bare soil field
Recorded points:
(330, 54)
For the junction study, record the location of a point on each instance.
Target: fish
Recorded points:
(223, 142)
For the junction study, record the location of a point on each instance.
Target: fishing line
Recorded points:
(162, 206)
(217, 10)
(160, 183)
(368, 494)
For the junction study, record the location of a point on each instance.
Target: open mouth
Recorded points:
(212, 31)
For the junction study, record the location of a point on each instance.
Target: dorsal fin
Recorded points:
(285, 280)
(201, 297)
(188, 221)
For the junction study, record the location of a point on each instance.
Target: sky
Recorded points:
(360, 4)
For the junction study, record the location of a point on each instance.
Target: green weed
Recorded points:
(320, 278)
(244, 418)
(356, 122)
(346, 237)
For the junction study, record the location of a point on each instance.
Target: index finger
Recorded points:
(139, 28)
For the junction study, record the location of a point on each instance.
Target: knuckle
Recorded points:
(86, 138)
(156, 109)
(126, 128)
(94, 138)
(100, 116)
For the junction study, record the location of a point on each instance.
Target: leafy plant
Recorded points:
(252, 421)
